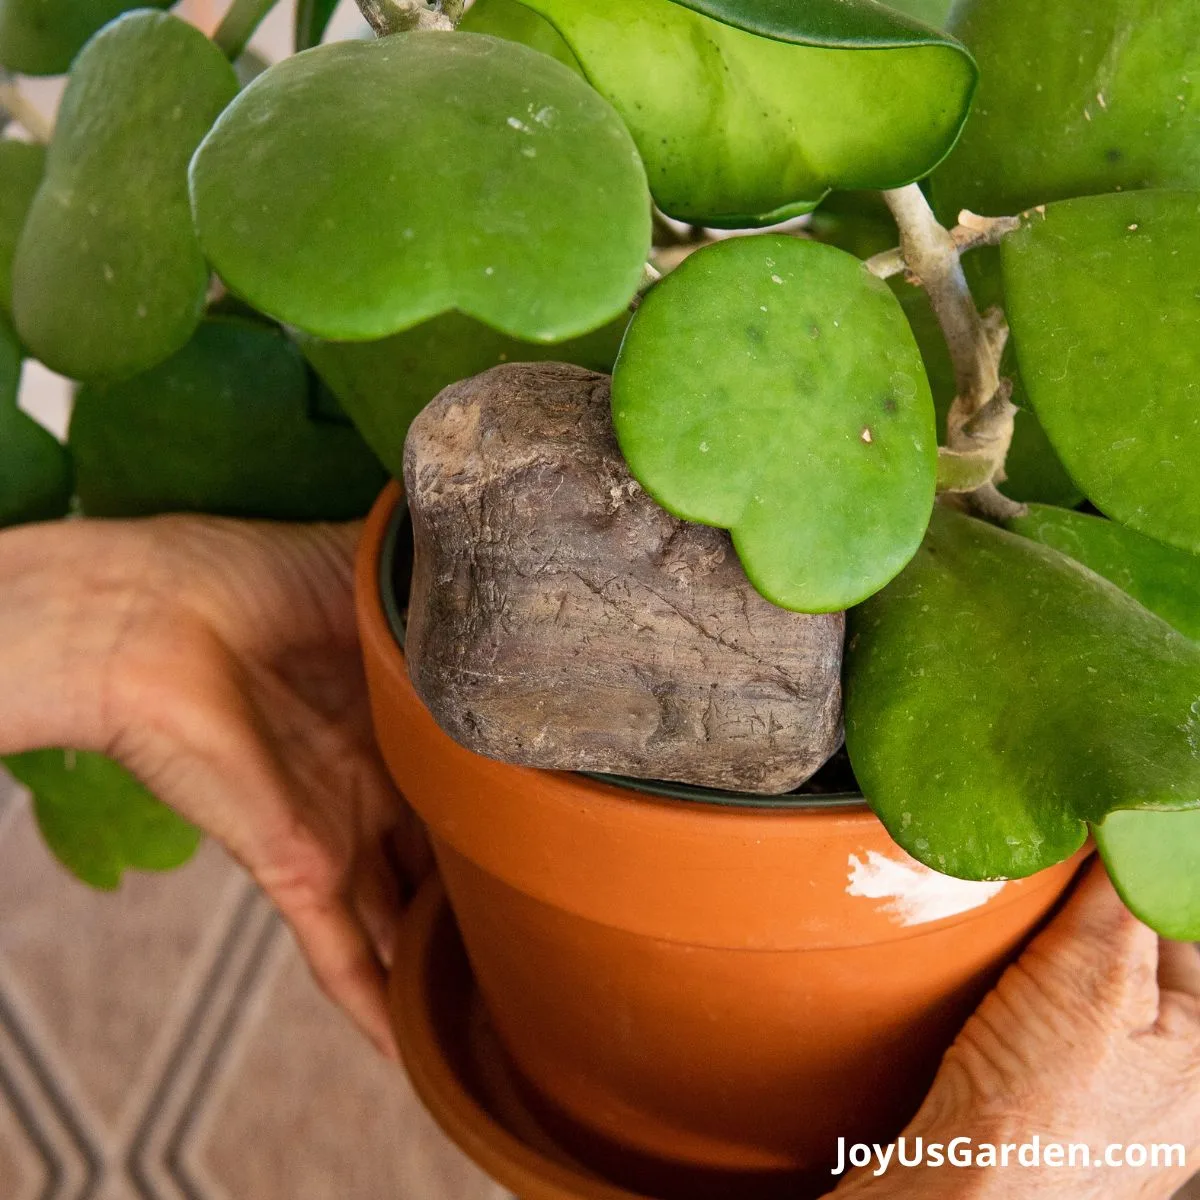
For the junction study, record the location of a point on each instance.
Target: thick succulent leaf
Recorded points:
(98, 820)
(1163, 579)
(1153, 860)
(515, 23)
(312, 19)
(35, 469)
(41, 37)
(227, 425)
(1076, 97)
(999, 697)
(1102, 299)
(741, 129)
(383, 385)
(108, 277)
(21, 167)
(931, 12)
(771, 386)
(361, 188)
(845, 24)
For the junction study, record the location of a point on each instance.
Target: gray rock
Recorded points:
(560, 618)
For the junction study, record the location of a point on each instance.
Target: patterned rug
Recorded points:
(165, 1042)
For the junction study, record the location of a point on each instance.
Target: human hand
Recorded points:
(218, 661)
(1093, 1037)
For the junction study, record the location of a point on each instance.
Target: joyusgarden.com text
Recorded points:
(911, 1153)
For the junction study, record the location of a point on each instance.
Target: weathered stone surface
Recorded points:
(560, 618)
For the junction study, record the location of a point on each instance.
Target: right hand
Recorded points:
(1093, 1036)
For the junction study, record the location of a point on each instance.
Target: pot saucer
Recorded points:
(459, 1070)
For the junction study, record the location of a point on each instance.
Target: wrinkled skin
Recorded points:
(1092, 1036)
(219, 661)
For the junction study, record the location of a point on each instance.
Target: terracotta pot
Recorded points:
(698, 998)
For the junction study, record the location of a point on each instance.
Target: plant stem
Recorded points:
(18, 107)
(980, 424)
(238, 25)
(971, 232)
(400, 16)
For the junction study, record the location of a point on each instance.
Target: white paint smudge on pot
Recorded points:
(916, 895)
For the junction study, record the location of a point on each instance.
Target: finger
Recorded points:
(1103, 951)
(409, 850)
(1179, 968)
(378, 901)
(403, 841)
(344, 964)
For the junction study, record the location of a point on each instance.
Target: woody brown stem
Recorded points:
(979, 427)
(21, 110)
(401, 16)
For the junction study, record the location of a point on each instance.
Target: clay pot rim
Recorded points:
(664, 790)
(524, 826)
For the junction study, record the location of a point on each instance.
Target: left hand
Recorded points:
(218, 661)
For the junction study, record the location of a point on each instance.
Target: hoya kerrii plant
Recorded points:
(975, 434)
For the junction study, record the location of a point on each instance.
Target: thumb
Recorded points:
(1101, 952)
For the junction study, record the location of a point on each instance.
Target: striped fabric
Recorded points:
(166, 1043)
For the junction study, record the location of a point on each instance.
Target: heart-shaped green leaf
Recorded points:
(515, 23)
(35, 469)
(1076, 97)
(931, 12)
(1104, 302)
(362, 188)
(383, 385)
(771, 386)
(98, 820)
(999, 697)
(848, 24)
(754, 116)
(1153, 860)
(21, 167)
(227, 425)
(41, 37)
(108, 277)
(1163, 579)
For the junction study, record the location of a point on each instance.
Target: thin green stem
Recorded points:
(312, 19)
(238, 25)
